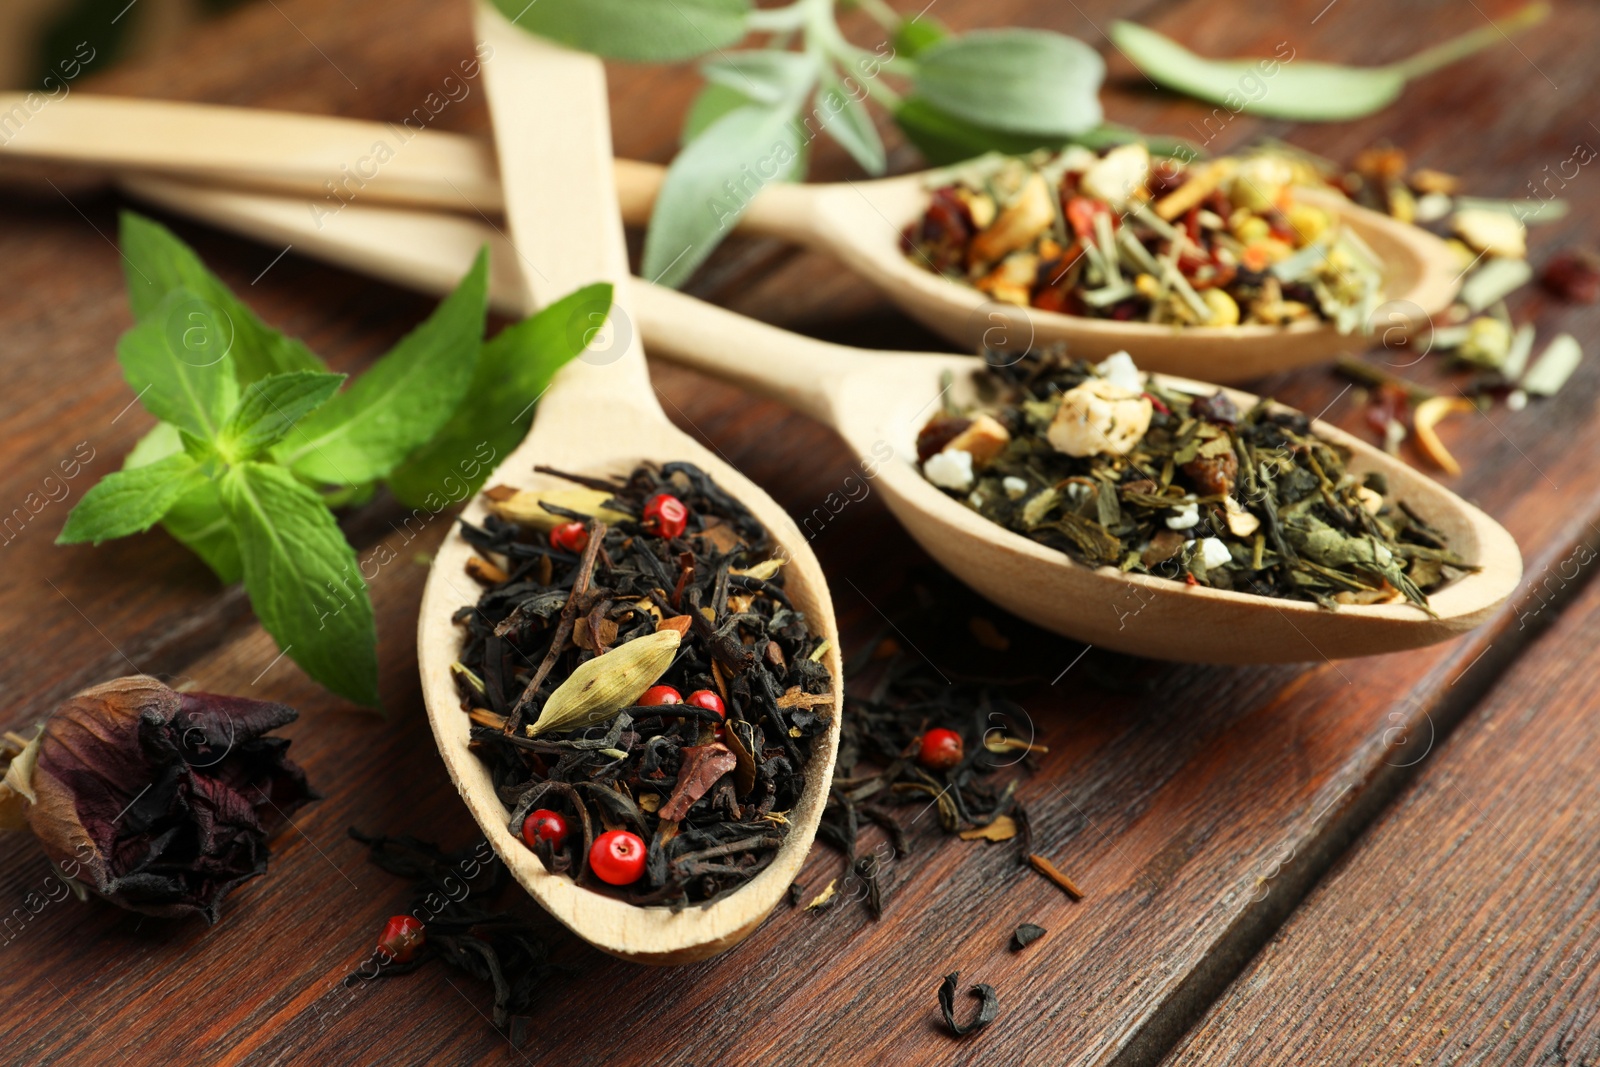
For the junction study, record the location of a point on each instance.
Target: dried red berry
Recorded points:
(570, 537)
(1573, 274)
(665, 516)
(402, 936)
(705, 698)
(542, 824)
(941, 749)
(657, 695)
(617, 857)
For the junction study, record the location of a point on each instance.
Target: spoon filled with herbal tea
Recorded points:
(628, 651)
(1159, 516)
(1224, 269)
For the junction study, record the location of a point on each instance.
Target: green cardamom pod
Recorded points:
(606, 684)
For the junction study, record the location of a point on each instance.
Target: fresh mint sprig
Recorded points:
(257, 443)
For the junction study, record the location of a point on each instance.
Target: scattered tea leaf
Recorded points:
(1025, 935)
(1050, 871)
(1561, 357)
(824, 898)
(988, 1005)
(1003, 828)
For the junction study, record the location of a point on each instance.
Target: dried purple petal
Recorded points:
(159, 800)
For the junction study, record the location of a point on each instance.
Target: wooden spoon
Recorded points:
(338, 162)
(877, 401)
(600, 417)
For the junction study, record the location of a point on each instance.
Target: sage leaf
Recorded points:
(1296, 88)
(710, 183)
(844, 118)
(710, 104)
(156, 262)
(1014, 80)
(600, 687)
(513, 371)
(177, 364)
(303, 579)
(130, 501)
(943, 138)
(270, 406)
(650, 31)
(402, 401)
(915, 36)
(765, 76)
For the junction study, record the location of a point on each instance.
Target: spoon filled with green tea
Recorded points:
(647, 584)
(1224, 270)
(1096, 457)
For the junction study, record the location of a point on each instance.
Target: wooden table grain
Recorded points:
(1196, 806)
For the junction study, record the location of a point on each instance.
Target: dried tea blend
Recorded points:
(1213, 243)
(1114, 469)
(642, 690)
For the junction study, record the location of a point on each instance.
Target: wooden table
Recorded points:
(1390, 860)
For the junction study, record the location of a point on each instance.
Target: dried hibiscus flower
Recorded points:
(155, 799)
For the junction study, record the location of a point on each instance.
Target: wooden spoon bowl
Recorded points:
(858, 222)
(879, 400)
(599, 417)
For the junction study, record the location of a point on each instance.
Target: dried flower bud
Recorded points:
(157, 799)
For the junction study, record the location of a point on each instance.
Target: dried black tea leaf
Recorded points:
(673, 691)
(988, 1005)
(1025, 935)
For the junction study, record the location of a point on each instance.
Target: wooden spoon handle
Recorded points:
(334, 162)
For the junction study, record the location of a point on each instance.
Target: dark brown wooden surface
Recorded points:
(1195, 805)
(1462, 929)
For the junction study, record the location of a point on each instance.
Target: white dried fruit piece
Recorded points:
(1118, 368)
(1498, 233)
(1213, 553)
(1012, 281)
(1371, 499)
(1184, 517)
(1118, 176)
(1099, 418)
(1241, 523)
(950, 469)
(1016, 488)
(983, 440)
(1025, 218)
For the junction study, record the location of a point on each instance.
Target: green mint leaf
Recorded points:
(710, 183)
(178, 363)
(513, 371)
(844, 117)
(915, 36)
(196, 519)
(1014, 80)
(270, 406)
(155, 263)
(198, 522)
(765, 76)
(130, 501)
(651, 31)
(402, 401)
(303, 579)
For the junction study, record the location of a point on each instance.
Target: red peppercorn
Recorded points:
(665, 516)
(705, 698)
(941, 749)
(570, 537)
(617, 857)
(544, 824)
(402, 936)
(657, 695)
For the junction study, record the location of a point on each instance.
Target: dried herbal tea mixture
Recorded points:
(1117, 470)
(641, 688)
(1115, 236)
